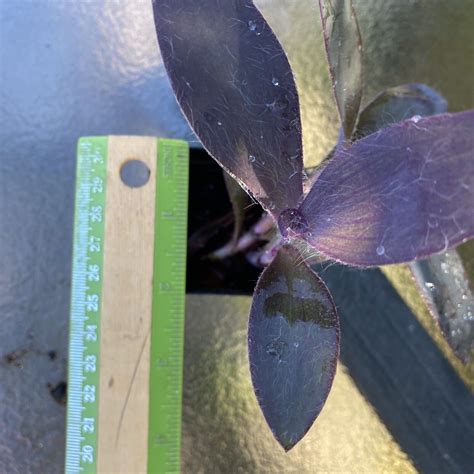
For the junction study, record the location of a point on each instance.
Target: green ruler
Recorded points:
(167, 333)
(83, 449)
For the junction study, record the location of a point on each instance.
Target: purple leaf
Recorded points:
(445, 287)
(235, 86)
(343, 45)
(293, 345)
(441, 278)
(400, 194)
(397, 104)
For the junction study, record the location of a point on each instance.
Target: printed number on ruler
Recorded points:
(83, 385)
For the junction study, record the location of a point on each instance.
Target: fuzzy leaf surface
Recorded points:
(397, 104)
(444, 285)
(234, 84)
(293, 345)
(442, 279)
(400, 194)
(343, 44)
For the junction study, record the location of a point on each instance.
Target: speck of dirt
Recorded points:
(111, 381)
(59, 392)
(15, 357)
(52, 355)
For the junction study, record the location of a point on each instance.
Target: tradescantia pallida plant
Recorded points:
(392, 191)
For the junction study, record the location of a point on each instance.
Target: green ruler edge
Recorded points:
(167, 332)
(167, 327)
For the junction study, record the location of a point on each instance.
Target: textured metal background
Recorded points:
(72, 68)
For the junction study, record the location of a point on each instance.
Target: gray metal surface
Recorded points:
(73, 68)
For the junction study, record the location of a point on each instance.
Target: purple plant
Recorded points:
(390, 192)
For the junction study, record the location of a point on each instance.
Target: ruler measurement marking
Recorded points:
(168, 308)
(81, 453)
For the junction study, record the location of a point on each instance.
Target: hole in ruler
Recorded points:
(135, 173)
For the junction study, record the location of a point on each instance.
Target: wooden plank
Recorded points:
(126, 310)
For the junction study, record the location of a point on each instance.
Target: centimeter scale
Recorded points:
(127, 308)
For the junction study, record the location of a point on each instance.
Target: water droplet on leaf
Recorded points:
(252, 159)
(275, 81)
(416, 118)
(455, 332)
(252, 25)
(445, 267)
(380, 250)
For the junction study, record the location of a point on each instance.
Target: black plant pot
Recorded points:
(210, 223)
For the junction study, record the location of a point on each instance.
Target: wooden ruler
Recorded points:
(127, 308)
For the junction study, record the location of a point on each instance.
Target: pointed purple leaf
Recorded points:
(400, 194)
(234, 84)
(293, 345)
(343, 45)
(397, 104)
(441, 278)
(445, 287)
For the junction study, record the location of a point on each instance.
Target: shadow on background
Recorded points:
(396, 365)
